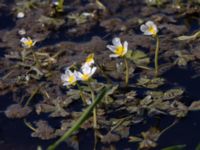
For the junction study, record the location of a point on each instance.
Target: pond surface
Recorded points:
(31, 78)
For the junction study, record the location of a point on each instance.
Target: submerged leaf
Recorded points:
(17, 111)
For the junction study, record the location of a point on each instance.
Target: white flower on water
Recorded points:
(89, 60)
(68, 78)
(20, 15)
(149, 28)
(85, 73)
(27, 42)
(117, 48)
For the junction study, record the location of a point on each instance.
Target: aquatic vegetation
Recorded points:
(69, 77)
(150, 28)
(74, 87)
(120, 50)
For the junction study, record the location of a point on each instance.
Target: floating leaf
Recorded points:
(43, 130)
(173, 93)
(138, 57)
(191, 37)
(195, 106)
(17, 111)
(150, 83)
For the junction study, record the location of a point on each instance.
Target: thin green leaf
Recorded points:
(175, 147)
(82, 119)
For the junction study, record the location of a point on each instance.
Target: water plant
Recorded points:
(150, 28)
(120, 50)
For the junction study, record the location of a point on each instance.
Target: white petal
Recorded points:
(93, 70)
(64, 77)
(78, 75)
(147, 33)
(23, 39)
(113, 55)
(111, 47)
(143, 28)
(150, 23)
(116, 42)
(125, 47)
(86, 69)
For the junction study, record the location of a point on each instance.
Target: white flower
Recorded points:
(149, 28)
(89, 60)
(20, 15)
(27, 42)
(86, 72)
(68, 78)
(117, 47)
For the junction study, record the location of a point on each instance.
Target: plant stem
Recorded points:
(81, 120)
(94, 110)
(156, 55)
(127, 72)
(81, 94)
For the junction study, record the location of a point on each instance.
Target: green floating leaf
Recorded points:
(138, 57)
(173, 93)
(175, 147)
(191, 37)
(104, 92)
(195, 106)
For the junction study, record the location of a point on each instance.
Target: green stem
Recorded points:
(81, 94)
(156, 55)
(94, 110)
(81, 120)
(127, 72)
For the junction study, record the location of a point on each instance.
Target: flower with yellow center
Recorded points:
(89, 60)
(27, 42)
(86, 73)
(68, 78)
(149, 28)
(117, 48)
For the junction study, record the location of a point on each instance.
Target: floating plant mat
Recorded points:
(115, 74)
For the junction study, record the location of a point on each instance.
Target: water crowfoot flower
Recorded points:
(89, 60)
(117, 47)
(27, 42)
(149, 28)
(86, 72)
(68, 78)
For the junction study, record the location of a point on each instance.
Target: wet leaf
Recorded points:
(173, 93)
(110, 137)
(190, 37)
(175, 147)
(17, 111)
(138, 57)
(150, 83)
(43, 130)
(195, 106)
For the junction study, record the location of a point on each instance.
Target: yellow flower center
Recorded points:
(90, 58)
(72, 79)
(119, 51)
(29, 43)
(85, 77)
(152, 30)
